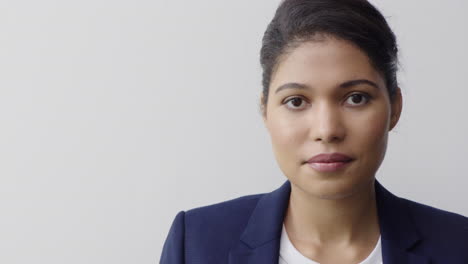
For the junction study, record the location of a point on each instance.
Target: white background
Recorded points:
(115, 115)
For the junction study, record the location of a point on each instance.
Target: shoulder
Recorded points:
(208, 230)
(211, 230)
(225, 214)
(441, 228)
(429, 216)
(430, 222)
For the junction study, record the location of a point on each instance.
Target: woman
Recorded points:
(330, 97)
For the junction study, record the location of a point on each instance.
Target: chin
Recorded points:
(332, 193)
(332, 187)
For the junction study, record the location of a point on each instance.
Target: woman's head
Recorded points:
(329, 86)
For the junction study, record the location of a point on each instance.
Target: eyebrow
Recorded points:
(344, 85)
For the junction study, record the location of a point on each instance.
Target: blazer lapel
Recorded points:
(260, 241)
(398, 232)
(394, 254)
(266, 254)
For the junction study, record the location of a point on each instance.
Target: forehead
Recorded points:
(326, 62)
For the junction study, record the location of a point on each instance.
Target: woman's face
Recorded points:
(339, 104)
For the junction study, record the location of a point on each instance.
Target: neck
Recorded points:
(347, 220)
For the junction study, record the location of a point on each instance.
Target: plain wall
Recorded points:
(115, 115)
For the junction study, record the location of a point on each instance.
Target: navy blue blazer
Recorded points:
(248, 230)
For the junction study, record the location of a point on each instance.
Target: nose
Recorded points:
(327, 124)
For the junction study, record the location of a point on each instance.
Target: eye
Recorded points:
(296, 102)
(358, 98)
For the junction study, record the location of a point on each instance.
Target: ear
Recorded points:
(396, 106)
(262, 109)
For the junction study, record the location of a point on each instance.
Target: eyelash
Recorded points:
(366, 96)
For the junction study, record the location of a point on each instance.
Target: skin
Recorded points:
(332, 216)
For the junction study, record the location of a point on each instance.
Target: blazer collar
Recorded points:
(260, 241)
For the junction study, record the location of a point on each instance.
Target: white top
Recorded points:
(290, 255)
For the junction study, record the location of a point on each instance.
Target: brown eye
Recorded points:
(358, 99)
(294, 103)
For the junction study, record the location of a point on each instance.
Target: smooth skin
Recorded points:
(332, 216)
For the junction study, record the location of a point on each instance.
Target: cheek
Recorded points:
(374, 136)
(286, 140)
(283, 133)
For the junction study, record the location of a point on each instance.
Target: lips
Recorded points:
(329, 162)
(330, 158)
